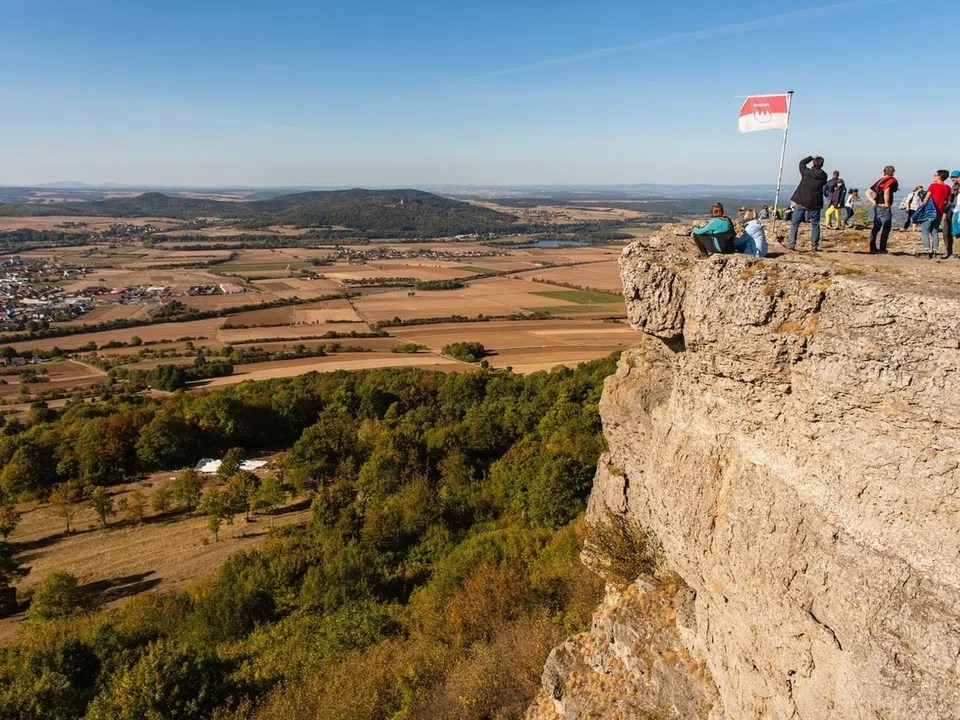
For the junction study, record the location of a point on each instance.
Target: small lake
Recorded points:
(548, 243)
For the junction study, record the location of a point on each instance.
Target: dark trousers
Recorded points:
(882, 222)
(909, 219)
(706, 246)
(948, 231)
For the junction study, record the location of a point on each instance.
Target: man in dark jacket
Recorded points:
(808, 198)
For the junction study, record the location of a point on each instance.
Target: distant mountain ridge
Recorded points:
(393, 211)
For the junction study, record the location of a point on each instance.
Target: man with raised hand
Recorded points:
(808, 198)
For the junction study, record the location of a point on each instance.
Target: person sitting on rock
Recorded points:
(717, 235)
(754, 238)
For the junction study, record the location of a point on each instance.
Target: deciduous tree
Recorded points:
(9, 519)
(230, 465)
(133, 506)
(64, 501)
(102, 504)
(58, 596)
(187, 487)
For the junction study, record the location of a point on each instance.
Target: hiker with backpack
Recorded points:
(911, 204)
(717, 235)
(880, 196)
(835, 200)
(934, 205)
(808, 198)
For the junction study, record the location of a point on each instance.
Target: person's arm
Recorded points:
(872, 196)
(803, 165)
(716, 225)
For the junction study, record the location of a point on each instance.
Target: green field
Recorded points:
(480, 270)
(582, 297)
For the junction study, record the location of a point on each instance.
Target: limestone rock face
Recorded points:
(789, 431)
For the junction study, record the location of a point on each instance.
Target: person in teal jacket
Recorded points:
(717, 235)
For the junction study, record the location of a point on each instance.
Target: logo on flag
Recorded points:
(764, 112)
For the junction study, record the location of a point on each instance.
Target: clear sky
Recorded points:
(369, 92)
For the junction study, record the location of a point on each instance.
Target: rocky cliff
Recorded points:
(785, 443)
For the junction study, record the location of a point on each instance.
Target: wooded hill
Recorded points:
(439, 565)
(375, 211)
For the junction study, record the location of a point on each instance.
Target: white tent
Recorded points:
(211, 466)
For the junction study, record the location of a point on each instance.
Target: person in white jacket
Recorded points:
(911, 203)
(754, 238)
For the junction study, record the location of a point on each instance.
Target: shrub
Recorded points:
(621, 549)
(169, 681)
(466, 351)
(58, 596)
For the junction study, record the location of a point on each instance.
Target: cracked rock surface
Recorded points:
(789, 431)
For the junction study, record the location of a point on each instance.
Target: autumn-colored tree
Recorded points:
(9, 519)
(240, 492)
(133, 506)
(162, 497)
(65, 501)
(102, 504)
(215, 507)
(58, 596)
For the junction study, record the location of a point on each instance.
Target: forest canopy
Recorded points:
(438, 568)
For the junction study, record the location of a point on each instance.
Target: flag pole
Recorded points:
(783, 155)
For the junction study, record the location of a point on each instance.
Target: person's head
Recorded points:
(766, 207)
(955, 174)
(889, 170)
(942, 175)
(749, 214)
(818, 162)
(918, 188)
(855, 191)
(836, 173)
(716, 210)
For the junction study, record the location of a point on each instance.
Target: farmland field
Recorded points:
(573, 292)
(532, 309)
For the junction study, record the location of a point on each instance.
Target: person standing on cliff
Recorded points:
(948, 215)
(880, 196)
(808, 198)
(838, 195)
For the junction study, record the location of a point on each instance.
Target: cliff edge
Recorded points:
(784, 443)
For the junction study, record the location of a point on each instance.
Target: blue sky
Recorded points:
(368, 92)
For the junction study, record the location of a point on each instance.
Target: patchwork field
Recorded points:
(494, 296)
(571, 292)
(602, 275)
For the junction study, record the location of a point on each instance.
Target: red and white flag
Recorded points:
(764, 112)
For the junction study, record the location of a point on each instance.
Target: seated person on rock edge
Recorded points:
(754, 238)
(717, 235)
